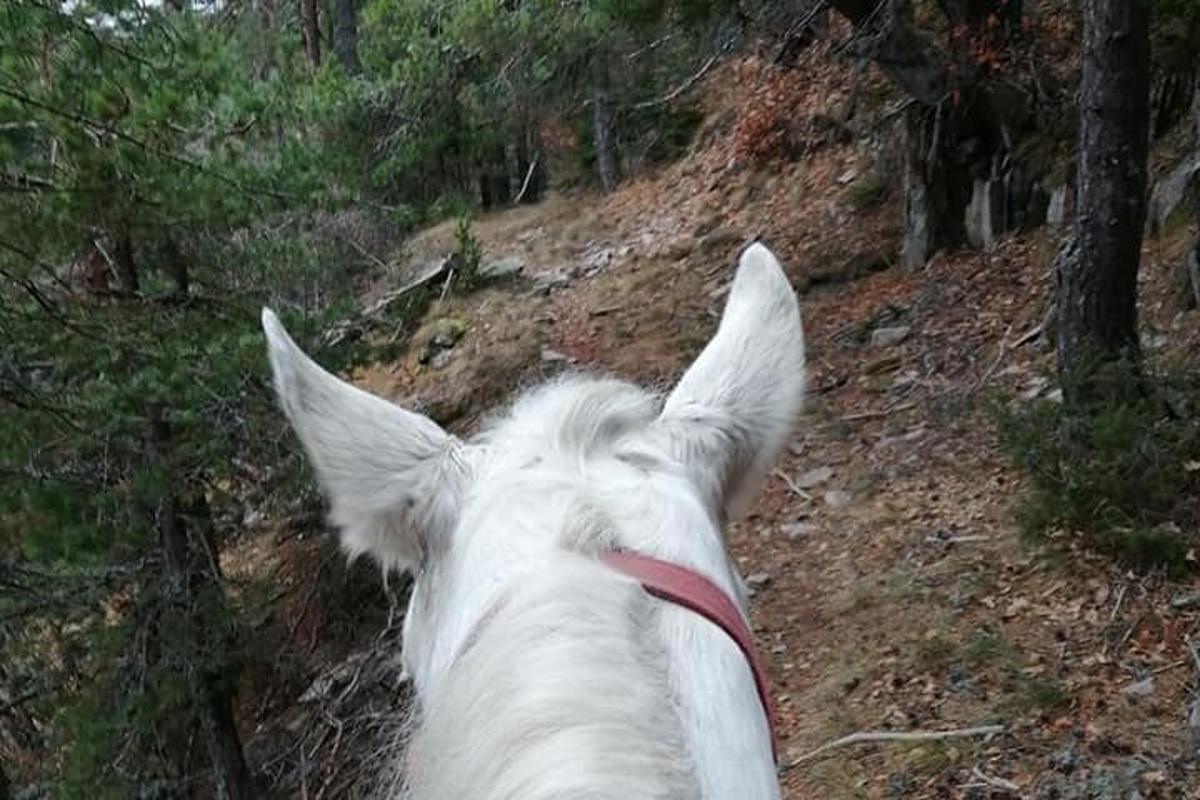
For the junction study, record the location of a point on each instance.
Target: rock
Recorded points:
(718, 239)
(890, 336)
(706, 226)
(836, 498)
(503, 267)
(546, 282)
(1142, 688)
(551, 356)
(442, 335)
(1065, 760)
(680, 249)
(797, 530)
(1179, 191)
(253, 518)
(757, 582)
(814, 476)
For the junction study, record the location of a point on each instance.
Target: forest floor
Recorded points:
(894, 589)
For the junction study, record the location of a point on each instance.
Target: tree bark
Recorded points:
(603, 138)
(310, 32)
(345, 35)
(127, 272)
(192, 581)
(1097, 291)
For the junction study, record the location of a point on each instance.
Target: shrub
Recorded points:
(1123, 474)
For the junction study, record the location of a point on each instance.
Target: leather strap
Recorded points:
(691, 590)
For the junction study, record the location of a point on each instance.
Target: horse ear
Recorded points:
(735, 407)
(393, 478)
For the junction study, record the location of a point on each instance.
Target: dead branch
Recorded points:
(863, 737)
(993, 781)
(791, 484)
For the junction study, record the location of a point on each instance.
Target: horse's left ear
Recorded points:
(394, 478)
(735, 407)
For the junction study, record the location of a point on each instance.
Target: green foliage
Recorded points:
(1123, 472)
(470, 255)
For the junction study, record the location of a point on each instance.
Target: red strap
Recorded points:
(693, 591)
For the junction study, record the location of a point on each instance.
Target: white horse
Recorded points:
(540, 671)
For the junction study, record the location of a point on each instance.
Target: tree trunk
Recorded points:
(127, 272)
(177, 266)
(1097, 291)
(602, 131)
(345, 35)
(531, 170)
(193, 582)
(310, 32)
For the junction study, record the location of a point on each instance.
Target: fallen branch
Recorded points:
(993, 781)
(1030, 335)
(995, 364)
(875, 414)
(791, 484)
(863, 737)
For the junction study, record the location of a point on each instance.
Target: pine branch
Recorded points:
(95, 126)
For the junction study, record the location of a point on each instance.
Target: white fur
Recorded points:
(539, 672)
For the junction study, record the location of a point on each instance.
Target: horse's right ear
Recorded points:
(735, 407)
(393, 478)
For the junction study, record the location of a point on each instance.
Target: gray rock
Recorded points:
(757, 582)
(814, 476)
(720, 238)
(797, 530)
(503, 267)
(545, 282)
(890, 336)
(551, 356)
(1142, 688)
(836, 498)
(1174, 193)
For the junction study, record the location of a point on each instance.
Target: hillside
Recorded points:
(892, 591)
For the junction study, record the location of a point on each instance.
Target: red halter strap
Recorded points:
(693, 591)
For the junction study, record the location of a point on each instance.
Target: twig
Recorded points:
(993, 781)
(791, 484)
(1168, 667)
(1029, 335)
(689, 83)
(995, 364)
(362, 251)
(891, 736)
(1117, 605)
(874, 414)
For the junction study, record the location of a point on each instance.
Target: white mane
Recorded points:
(540, 672)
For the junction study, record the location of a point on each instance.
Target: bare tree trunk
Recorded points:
(602, 127)
(531, 170)
(193, 581)
(1097, 291)
(345, 35)
(127, 272)
(310, 32)
(177, 266)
